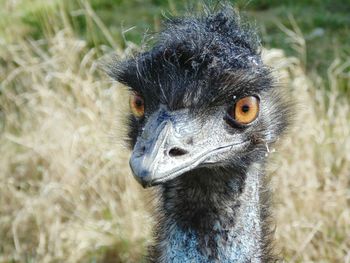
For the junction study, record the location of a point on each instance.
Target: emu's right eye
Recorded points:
(137, 105)
(244, 111)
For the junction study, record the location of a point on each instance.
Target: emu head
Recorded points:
(201, 97)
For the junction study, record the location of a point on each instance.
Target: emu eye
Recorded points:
(137, 105)
(245, 110)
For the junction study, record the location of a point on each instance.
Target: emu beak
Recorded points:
(172, 144)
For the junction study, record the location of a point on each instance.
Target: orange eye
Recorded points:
(245, 110)
(137, 105)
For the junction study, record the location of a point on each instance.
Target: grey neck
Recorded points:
(204, 218)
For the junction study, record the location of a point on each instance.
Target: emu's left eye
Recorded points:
(137, 105)
(245, 110)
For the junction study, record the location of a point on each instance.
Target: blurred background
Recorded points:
(66, 193)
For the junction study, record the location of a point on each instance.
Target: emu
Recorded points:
(204, 112)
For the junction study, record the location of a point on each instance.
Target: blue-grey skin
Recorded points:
(242, 244)
(203, 143)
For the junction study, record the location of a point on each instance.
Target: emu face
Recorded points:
(200, 98)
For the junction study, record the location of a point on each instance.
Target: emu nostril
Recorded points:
(177, 152)
(143, 149)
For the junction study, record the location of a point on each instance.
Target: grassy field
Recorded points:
(324, 24)
(66, 193)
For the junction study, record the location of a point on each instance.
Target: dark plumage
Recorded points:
(189, 139)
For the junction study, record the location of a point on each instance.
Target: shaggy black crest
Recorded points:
(197, 63)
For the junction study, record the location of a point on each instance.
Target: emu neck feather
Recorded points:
(216, 221)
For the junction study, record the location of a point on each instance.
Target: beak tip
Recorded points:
(145, 184)
(143, 177)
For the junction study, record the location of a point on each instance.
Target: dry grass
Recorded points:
(66, 191)
(311, 170)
